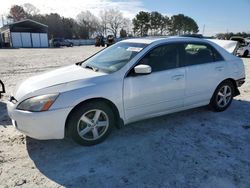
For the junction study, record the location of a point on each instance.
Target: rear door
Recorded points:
(205, 69)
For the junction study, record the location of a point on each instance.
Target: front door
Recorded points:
(158, 92)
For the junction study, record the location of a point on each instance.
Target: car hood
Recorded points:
(55, 78)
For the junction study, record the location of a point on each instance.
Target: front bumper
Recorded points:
(39, 125)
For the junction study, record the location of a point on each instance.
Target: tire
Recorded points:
(97, 129)
(245, 53)
(223, 96)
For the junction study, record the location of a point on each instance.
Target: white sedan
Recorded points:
(132, 80)
(244, 50)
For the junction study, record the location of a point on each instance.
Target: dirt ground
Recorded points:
(194, 148)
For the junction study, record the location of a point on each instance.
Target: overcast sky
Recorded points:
(217, 16)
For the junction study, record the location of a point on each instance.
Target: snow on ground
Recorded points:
(194, 148)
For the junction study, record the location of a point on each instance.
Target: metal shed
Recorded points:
(25, 34)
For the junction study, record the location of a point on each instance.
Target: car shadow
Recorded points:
(4, 118)
(178, 150)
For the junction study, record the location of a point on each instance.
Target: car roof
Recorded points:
(150, 40)
(160, 40)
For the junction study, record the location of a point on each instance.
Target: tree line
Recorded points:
(110, 21)
(155, 23)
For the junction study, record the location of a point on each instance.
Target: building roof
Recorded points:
(26, 25)
(29, 21)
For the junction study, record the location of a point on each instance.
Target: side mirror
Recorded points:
(143, 69)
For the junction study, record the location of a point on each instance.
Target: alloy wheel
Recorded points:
(93, 125)
(224, 96)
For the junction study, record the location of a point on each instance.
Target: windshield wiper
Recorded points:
(79, 63)
(92, 68)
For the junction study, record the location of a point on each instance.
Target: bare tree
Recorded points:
(115, 21)
(17, 13)
(104, 21)
(89, 21)
(127, 26)
(30, 9)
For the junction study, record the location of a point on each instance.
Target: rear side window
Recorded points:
(195, 54)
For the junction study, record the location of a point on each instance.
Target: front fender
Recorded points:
(109, 90)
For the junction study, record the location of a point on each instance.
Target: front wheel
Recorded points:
(91, 123)
(222, 97)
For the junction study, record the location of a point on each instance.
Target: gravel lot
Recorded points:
(195, 148)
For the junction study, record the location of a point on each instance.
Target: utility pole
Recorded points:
(203, 30)
(2, 21)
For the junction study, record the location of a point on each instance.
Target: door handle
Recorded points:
(178, 77)
(219, 68)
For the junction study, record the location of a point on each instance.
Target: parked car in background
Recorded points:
(131, 80)
(58, 42)
(110, 40)
(241, 40)
(99, 41)
(244, 50)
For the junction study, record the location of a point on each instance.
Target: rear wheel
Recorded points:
(223, 96)
(91, 123)
(245, 53)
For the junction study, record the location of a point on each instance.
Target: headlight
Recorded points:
(38, 104)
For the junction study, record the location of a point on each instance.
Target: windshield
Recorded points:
(114, 58)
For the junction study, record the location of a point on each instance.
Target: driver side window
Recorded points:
(162, 58)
